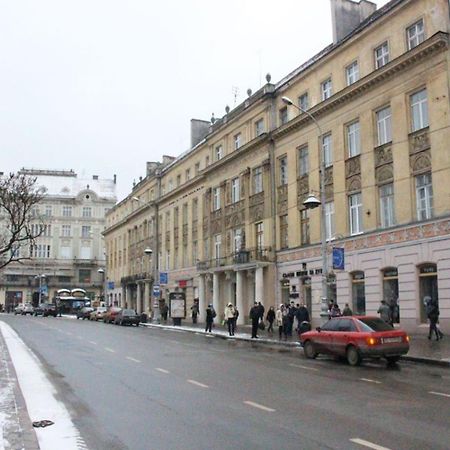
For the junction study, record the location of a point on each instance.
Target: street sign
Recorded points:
(156, 290)
(110, 285)
(338, 258)
(163, 278)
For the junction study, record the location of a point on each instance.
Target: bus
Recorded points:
(68, 301)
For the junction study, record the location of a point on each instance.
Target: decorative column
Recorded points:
(147, 298)
(240, 297)
(128, 297)
(138, 298)
(259, 285)
(123, 297)
(202, 297)
(216, 292)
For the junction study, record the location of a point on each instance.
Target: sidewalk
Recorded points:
(421, 349)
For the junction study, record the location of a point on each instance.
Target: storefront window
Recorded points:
(390, 292)
(428, 287)
(331, 288)
(358, 293)
(306, 294)
(285, 291)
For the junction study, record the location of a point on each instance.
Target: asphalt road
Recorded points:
(145, 388)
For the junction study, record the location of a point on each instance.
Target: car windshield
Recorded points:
(129, 312)
(331, 325)
(374, 324)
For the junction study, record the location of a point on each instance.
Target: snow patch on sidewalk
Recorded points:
(39, 395)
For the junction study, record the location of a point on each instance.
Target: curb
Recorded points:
(292, 345)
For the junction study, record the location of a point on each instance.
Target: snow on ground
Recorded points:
(40, 398)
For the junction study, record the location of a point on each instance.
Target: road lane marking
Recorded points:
(197, 383)
(110, 350)
(68, 333)
(368, 444)
(92, 342)
(162, 370)
(132, 359)
(257, 405)
(368, 380)
(304, 367)
(442, 394)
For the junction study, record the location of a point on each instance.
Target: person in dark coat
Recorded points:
(255, 314)
(302, 314)
(347, 311)
(261, 311)
(270, 319)
(432, 310)
(194, 311)
(210, 314)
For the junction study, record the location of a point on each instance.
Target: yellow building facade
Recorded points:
(226, 221)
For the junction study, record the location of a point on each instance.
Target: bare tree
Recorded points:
(20, 225)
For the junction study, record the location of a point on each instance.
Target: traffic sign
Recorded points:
(163, 278)
(338, 258)
(156, 290)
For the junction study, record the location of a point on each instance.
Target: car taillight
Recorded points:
(372, 341)
(406, 338)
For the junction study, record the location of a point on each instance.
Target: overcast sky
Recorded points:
(102, 86)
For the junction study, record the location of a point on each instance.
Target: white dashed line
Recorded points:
(110, 350)
(68, 333)
(257, 405)
(368, 444)
(162, 370)
(92, 342)
(133, 359)
(303, 367)
(442, 394)
(368, 380)
(198, 383)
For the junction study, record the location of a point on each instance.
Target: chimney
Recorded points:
(95, 177)
(115, 178)
(166, 160)
(346, 15)
(199, 130)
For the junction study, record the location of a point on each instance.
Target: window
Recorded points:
(178, 180)
(327, 89)
(303, 161)
(259, 233)
(216, 198)
(87, 211)
(327, 150)
(235, 190)
(185, 214)
(206, 161)
(419, 110)
(257, 180)
(259, 127)
(387, 209)
(415, 34)
(66, 231)
(283, 115)
(217, 245)
(85, 231)
(47, 230)
(66, 252)
(48, 210)
(303, 102)
(355, 213)
(390, 292)
(304, 226)
(85, 252)
(237, 141)
(197, 168)
(353, 139)
(237, 240)
(167, 259)
(284, 242)
(358, 293)
(424, 196)
(84, 276)
(40, 251)
(188, 174)
(329, 221)
(170, 185)
(67, 211)
(195, 209)
(194, 252)
(384, 127)
(352, 73)
(283, 171)
(381, 55)
(218, 154)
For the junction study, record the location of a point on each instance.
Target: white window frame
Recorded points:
(387, 205)
(353, 139)
(381, 54)
(237, 240)
(216, 198)
(257, 180)
(352, 73)
(86, 212)
(283, 170)
(384, 125)
(326, 89)
(419, 110)
(303, 161)
(415, 34)
(424, 196)
(283, 113)
(327, 150)
(67, 211)
(86, 231)
(235, 190)
(259, 231)
(355, 213)
(303, 101)
(330, 230)
(259, 127)
(218, 155)
(217, 246)
(237, 141)
(66, 231)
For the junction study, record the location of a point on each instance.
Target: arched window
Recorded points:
(428, 287)
(390, 292)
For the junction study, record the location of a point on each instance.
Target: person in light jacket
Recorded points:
(230, 317)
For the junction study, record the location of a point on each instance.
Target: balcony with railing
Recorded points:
(247, 256)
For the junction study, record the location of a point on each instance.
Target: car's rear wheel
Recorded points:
(392, 359)
(309, 350)
(353, 356)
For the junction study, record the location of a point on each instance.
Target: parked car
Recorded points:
(27, 309)
(49, 309)
(84, 313)
(98, 313)
(38, 310)
(127, 317)
(19, 308)
(356, 338)
(110, 314)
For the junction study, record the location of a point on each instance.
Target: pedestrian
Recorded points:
(270, 319)
(432, 310)
(384, 311)
(279, 320)
(261, 311)
(302, 315)
(236, 316)
(291, 311)
(255, 313)
(287, 324)
(194, 311)
(347, 311)
(164, 311)
(335, 311)
(230, 317)
(210, 314)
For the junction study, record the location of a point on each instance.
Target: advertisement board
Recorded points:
(177, 305)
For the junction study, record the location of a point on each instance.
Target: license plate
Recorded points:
(391, 340)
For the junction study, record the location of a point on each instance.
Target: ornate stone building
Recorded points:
(229, 217)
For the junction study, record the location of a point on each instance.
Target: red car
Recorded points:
(356, 338)
(110, 314)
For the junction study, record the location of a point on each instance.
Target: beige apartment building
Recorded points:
(226, 221)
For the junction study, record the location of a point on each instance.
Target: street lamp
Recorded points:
(312, 202)
(149, 252)
(40, 277)
(102, 274)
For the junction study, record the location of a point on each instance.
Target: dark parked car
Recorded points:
(84, 313)
(127, 317)
(111, 313)
(356, 338)
(49, 309)
(38, 310)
